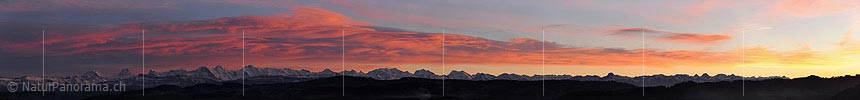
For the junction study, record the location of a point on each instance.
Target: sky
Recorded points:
(793, 38)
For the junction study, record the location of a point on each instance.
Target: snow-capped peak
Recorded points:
(459, 75)
(124, 73)
(423, 73)
(92, 74)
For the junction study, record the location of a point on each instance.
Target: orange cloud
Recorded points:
(680, 37)
(696, 38)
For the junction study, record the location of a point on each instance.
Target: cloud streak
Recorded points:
(679, 37)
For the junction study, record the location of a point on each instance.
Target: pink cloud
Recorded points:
(810, 8)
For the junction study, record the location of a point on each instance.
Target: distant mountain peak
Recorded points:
(512, 76)
(457, 71)
(423, 73)
(219, 68)
(388, 74)
(461, 75)
(92, 74)
(151, 71)
(124, 72)
(353, 73)
(327, 71)
(251, 66)
(483, 77)
(203, 69)
(813, 76)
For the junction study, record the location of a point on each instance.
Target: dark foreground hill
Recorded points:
(370, 89)
(809, 88)
(356, 88)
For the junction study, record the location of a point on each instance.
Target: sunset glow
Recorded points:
(793, 38)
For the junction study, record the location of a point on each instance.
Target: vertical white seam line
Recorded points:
(743, 61)
(543, 62)
(44, 81)
(443, 62)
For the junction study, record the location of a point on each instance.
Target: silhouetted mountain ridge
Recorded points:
(203, 74)
(362, 88)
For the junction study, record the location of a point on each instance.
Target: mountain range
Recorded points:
(254, 75)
